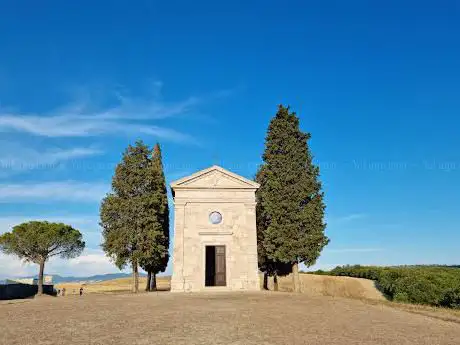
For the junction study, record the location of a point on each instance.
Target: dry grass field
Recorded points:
(313, 285)
(215, 318)
(319, 285)
(111, 286)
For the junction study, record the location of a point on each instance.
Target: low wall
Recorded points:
(16, 291)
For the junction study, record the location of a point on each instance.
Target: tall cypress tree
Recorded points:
(154, 260)
(267, 265)
(129, 215)
(290, 199)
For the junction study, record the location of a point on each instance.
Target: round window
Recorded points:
(215, 217)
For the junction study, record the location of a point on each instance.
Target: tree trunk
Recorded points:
(275, 282)
(149, 279)
(153, 284)
(265, 281)
(40, 277)
(295, 277)
(135, 287)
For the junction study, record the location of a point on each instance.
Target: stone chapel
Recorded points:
(215, 237)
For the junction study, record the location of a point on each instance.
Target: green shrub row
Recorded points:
(432, 285)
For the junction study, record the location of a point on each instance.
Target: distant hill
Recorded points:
(99, 277)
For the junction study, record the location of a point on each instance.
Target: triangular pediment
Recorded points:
(214, 177)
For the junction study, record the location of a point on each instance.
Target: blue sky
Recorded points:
(377, 85)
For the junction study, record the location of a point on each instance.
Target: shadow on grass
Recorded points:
(380, 288)
(164, 289)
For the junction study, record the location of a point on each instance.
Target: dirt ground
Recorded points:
(215, 318)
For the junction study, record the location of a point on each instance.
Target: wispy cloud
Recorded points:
(53, 191)
(125, 115)
(16, 158)
(91, 262)
(346, 219)
(85, 223)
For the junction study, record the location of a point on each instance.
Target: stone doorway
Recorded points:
(215, 268)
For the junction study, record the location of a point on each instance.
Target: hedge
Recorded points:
(431, 285)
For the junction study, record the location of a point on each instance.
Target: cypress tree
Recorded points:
(154, 260)
(290, 200)
(132, 229)
(268, 266)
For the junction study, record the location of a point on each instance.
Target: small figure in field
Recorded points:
(63, 292)
(81, 291)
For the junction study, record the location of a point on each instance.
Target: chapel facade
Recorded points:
(215, 236)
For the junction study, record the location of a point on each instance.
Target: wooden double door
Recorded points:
(215, 270)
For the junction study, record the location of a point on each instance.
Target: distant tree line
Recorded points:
(431, 285)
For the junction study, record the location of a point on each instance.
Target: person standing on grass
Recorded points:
(81, 290)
